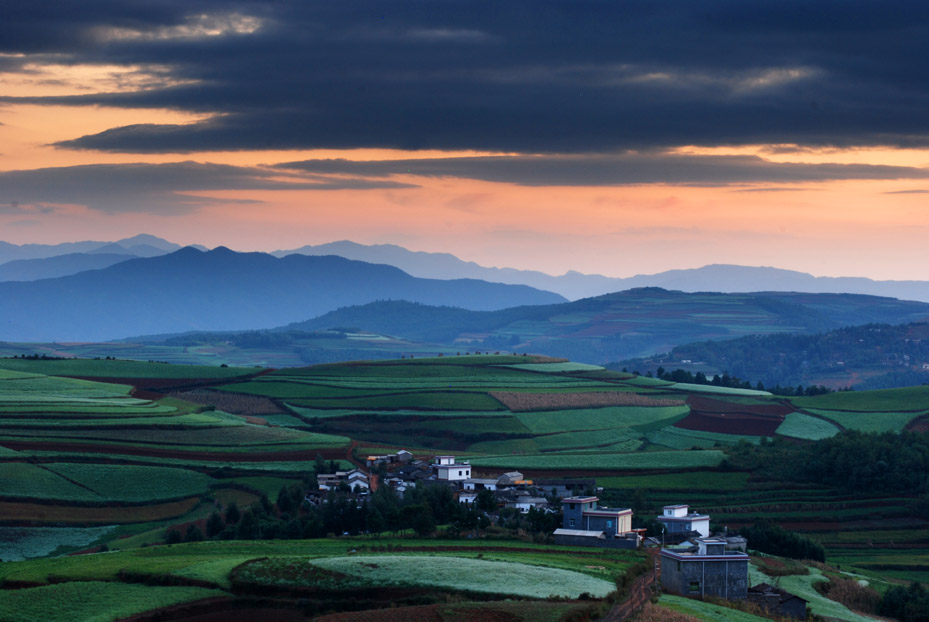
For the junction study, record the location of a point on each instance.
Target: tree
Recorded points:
(173, 536)
(232, 513)
(214, 524)
(248, 528)
(194, 534)
(485, 501)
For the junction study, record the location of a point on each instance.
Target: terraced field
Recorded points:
(330, 570)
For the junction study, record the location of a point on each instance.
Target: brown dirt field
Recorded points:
(920, 424)
(421, 613)
(424, 613)
(731, 423)
(235, 403)
(258, 456)
(38, 513)
(710, 405)
(518, 402)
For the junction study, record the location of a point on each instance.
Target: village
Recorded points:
(692, 561)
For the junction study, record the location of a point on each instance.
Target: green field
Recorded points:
(679, 438)
(803, 426)
(866, 421)
(94, 368)
(886, 400)
(607, 462)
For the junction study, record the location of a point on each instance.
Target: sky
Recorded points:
(611, 137)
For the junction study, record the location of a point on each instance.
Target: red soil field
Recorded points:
(731, 423)
(710, 405)
(711, 415)
(38, 513)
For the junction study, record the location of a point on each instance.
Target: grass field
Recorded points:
(607, 462)
(679, 438)
(91, 601)
(886, 400)
(798, 425)
(95, 368)
(867, 421)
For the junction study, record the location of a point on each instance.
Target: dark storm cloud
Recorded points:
(153, 187)
(521, 76)
(609, 170)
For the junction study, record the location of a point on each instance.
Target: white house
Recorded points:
(446, 469)
(679, 519)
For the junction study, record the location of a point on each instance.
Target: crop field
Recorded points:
(606, 462)
(798, 425)
(91, 368)
(567, 366)
(693, 481)
(705, 388)
(92, 601)
(19, 543)
(461, 573)
(886, 400)
(599, 418)
(680, 438)
(520, 401)
(876, 421)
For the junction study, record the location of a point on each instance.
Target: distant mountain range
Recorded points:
(31, 262)
(632, 323)
(574, 285)
(34, 263)
(223, 290)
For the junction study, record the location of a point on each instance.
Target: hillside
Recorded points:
(621, 325)
(872, 356)
(222, 290)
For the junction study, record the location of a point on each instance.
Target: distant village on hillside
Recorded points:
(693, 561)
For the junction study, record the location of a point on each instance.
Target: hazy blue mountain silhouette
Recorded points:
(575, 285)
(59, 265)
(223, 290)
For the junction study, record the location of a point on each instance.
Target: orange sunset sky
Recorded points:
(615, 139)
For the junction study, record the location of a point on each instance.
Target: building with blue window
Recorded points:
(586, 523)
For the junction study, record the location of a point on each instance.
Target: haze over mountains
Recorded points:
(223, 290)
(574, 285)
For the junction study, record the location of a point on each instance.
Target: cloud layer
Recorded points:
(527, 76)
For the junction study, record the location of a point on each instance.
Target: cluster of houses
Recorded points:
(694, 562)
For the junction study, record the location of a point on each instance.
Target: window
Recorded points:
(459, 473)
(572, 506)
(694, 587)
(609, 523)
(571, 522)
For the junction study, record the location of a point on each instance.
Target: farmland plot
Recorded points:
(607, 462)
(798, 425)
(458, 573)
(598, 418)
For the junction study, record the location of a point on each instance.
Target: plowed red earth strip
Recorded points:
(217, 456)
(731, 423)
(710, 415)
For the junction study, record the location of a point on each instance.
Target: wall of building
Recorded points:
(698, 577)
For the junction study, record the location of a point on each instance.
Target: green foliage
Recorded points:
(18, 543)
(854, 461)
(767, 537)
(907, 604)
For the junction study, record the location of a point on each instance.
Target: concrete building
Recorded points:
(583, 513)
(710, 570)
(679, 520)
(777, 601)
(446, 469)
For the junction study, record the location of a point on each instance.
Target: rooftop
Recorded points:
(579, 499)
